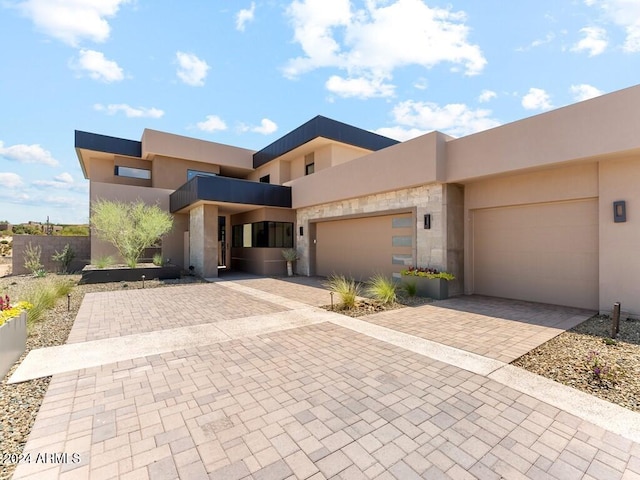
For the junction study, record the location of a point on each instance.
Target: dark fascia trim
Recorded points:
(322, 127)
(104, 143)
(229, 190)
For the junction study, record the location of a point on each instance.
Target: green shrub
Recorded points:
(42, 294)
(290, 254)
(32, 259)
(427, 273)
(157, 259)
(346, 288)
(130, 227)
(411, 288)
(103, 262)
(64, 258)
(382, 289)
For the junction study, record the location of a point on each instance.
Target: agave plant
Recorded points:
(290, 255)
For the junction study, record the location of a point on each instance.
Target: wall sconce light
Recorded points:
(301, 231)
(427, 221)
(620, 211)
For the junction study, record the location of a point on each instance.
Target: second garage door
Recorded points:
(361, 247)
(542, 253)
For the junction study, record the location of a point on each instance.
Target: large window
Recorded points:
(197, 173)
(131, 172)
(263, 234)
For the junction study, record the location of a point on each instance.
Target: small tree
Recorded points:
(130, 227)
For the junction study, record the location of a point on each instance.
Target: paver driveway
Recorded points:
(334, 398)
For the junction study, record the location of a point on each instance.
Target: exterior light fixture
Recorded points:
(301, 231)
(620, 211)
(427, 221)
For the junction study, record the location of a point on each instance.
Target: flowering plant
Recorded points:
(7, 311)
(427, 272)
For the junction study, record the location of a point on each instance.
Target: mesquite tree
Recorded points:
(130, 227)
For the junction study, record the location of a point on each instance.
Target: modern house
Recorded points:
(544, 209)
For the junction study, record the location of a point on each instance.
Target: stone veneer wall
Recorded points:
(430, 244)
(50, 245)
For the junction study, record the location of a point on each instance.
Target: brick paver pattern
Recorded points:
(319, 401)
(492, 327)
(314, 402)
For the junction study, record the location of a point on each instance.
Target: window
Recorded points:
(197, 173)
(401, 222)
(131, 172)
(401, 241)
(309, 164)
(263, 235)
(265, 179)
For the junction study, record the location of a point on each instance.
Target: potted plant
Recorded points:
(429, 282)
(290, 255)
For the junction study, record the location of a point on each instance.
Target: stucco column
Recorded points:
(203, 240)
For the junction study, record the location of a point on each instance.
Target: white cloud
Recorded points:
(266, 127)
(97, 66)
(594, 42)
(72, 20)
(131, 112)
(625, 14)
(549, 37)
(28, 154)
(64, 181)
(584, 92)
(244, 16)
(415, 118)
(537, 99)
(191, 69)
(64, 177)
(371, 42)
(10, 180)
(211, 124)
(360, 87)
(486, 96)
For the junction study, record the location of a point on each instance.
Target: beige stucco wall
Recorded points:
(102, 170)
(415, 162)
(177, 146)
(596, 127)
(171, 173)
(172, 243)
(431, 250)
(620, 242)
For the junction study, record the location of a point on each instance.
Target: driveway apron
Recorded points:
(251, 380)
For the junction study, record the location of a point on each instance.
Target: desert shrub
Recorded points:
(104, 261)
(64, 258)
(411, 288)
(157, 259)
(290, 254)
(347, 289)
(32, 259)
(382, 289)
(42, 295)
(130, 227)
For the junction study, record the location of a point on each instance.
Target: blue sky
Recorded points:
(245, 73)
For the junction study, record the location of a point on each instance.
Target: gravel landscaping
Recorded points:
(584, 357)
(587, 359)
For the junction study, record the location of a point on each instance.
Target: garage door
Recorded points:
(542, 253)
(361, 247)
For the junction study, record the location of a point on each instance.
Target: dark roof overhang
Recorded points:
(322, 127)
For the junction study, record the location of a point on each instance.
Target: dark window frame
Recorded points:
(266, 179)
(266, 234)
(131, 172)
(198, 173)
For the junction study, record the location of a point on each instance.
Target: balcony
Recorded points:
(229, 190)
